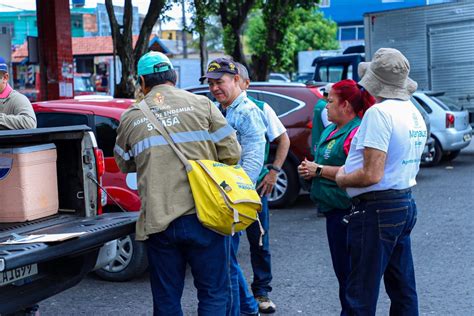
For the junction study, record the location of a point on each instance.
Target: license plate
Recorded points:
(13, 275)
(467, 137)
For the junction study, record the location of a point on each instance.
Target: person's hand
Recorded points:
(302, 168)
(307, 169)
(340, 177)
(268, 183)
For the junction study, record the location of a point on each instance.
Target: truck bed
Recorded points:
(60, 265)
(99, 229)
(30, 273)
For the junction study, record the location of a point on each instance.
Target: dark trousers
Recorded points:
(241, 300)
(337, 238)
(186, 241)
(260, 256)
(379, 244)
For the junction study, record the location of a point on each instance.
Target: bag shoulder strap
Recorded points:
(162, 130)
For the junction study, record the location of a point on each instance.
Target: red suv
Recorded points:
(102, 115)
(293, 103)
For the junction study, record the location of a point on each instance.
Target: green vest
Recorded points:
(330, 152)
(318, 125)
(265, 170)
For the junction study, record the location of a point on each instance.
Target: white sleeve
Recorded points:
(375, 130)
(274, 127)
(324, 117)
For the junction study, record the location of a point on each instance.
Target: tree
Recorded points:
(123, 41)
(233, 14)
(274, 39)
(202, 10)
(313, 31)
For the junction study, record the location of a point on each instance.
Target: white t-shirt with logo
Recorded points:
(398, 129)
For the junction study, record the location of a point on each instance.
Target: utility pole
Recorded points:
(183, 32)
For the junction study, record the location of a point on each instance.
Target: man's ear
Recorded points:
(247, 84)
(237, 79)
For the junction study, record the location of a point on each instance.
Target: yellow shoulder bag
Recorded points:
(225, 197)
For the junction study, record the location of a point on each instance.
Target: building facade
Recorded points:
(85, 22)
(349, 15)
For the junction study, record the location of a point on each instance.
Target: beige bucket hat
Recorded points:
(386, 75)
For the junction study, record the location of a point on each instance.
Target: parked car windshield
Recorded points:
(447, 103)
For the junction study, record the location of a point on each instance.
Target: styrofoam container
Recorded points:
(28, 183)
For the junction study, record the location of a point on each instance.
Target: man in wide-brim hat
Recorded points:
(379, 173)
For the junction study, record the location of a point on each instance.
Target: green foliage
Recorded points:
(301, 27)
(233, 14)
(202, 10)
(214, 34)
(255, 33)
(229, 39)
(205, 22)
(313, 31)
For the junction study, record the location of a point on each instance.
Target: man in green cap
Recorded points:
(168, 222)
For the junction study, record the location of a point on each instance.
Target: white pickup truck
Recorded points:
(33, 272)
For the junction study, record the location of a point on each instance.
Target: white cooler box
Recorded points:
(28, 183)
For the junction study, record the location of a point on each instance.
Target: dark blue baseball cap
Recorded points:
(3, 65)
(219, 67)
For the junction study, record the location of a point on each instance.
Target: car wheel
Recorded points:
(131, 261)
(287, 187)
(451, 155)
(437, 154)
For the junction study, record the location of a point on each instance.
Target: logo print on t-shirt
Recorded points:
(416, 122)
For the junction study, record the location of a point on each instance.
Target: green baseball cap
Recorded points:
(153, 62)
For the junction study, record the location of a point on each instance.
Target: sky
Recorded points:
(142, 5)
(31, 4)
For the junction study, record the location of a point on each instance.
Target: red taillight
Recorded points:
(100, 164)
(449, 120)
(309, 124)
(99, 156)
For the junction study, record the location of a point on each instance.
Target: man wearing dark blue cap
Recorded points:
(249, 122)
(16, 111)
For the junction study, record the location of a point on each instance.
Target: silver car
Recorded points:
(449, 124)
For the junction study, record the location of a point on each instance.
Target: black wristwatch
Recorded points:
(272, 167)
(319, 171)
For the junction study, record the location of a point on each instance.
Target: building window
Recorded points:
(360, 33)
(347, 33)
(6, 29)
(351, 33)
(324, 3)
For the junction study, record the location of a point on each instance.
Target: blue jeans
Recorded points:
(186, 241)
(379, 244)
(240, 301)
(260, 256)
(337, 239)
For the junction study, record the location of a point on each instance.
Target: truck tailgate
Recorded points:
(99, 230)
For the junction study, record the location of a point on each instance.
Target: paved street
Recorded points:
(304, 282)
